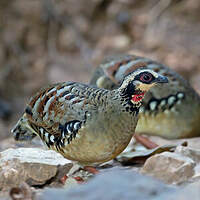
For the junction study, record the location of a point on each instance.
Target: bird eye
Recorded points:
(146, 77)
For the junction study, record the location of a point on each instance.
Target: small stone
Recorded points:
(194, 154)
(169, 167)
(31, 165)
(70, 183)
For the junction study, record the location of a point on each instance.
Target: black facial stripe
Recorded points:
(129, 90)
(126, 95)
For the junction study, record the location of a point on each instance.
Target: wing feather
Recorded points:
(56, 105)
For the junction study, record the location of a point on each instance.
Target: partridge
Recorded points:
(84, 123)
(171, 111)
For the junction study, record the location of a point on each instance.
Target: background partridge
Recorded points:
(83, 123)
(171, 111)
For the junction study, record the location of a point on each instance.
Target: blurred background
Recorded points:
(46, 41)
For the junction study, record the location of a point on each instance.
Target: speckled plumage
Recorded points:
(172, 111)
(84, 123)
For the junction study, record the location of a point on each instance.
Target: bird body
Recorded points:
(171, 111)
(83, 123)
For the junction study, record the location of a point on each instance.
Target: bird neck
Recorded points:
(131, 98)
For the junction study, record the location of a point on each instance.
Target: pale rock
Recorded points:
(70, 183)
(194, 154)
(196, 176)
(169, 167)
(32, 165)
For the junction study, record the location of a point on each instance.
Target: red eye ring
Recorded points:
(147, 77)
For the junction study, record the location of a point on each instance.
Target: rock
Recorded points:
(130, 157)
(194, 154)
(24, 191)
(169, 167)
(10, 142)
(114, 184)
(31, 165)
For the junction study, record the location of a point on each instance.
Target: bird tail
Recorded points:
(22, 130)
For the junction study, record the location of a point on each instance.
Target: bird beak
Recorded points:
(161, 79)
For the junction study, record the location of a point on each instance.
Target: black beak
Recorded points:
(161, 79)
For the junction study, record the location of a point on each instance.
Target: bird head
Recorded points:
(22, 130)
(137, 83)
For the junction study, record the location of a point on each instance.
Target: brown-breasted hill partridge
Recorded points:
(171, 111)
(83, 123)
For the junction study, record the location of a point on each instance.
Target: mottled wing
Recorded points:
(60, 110)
